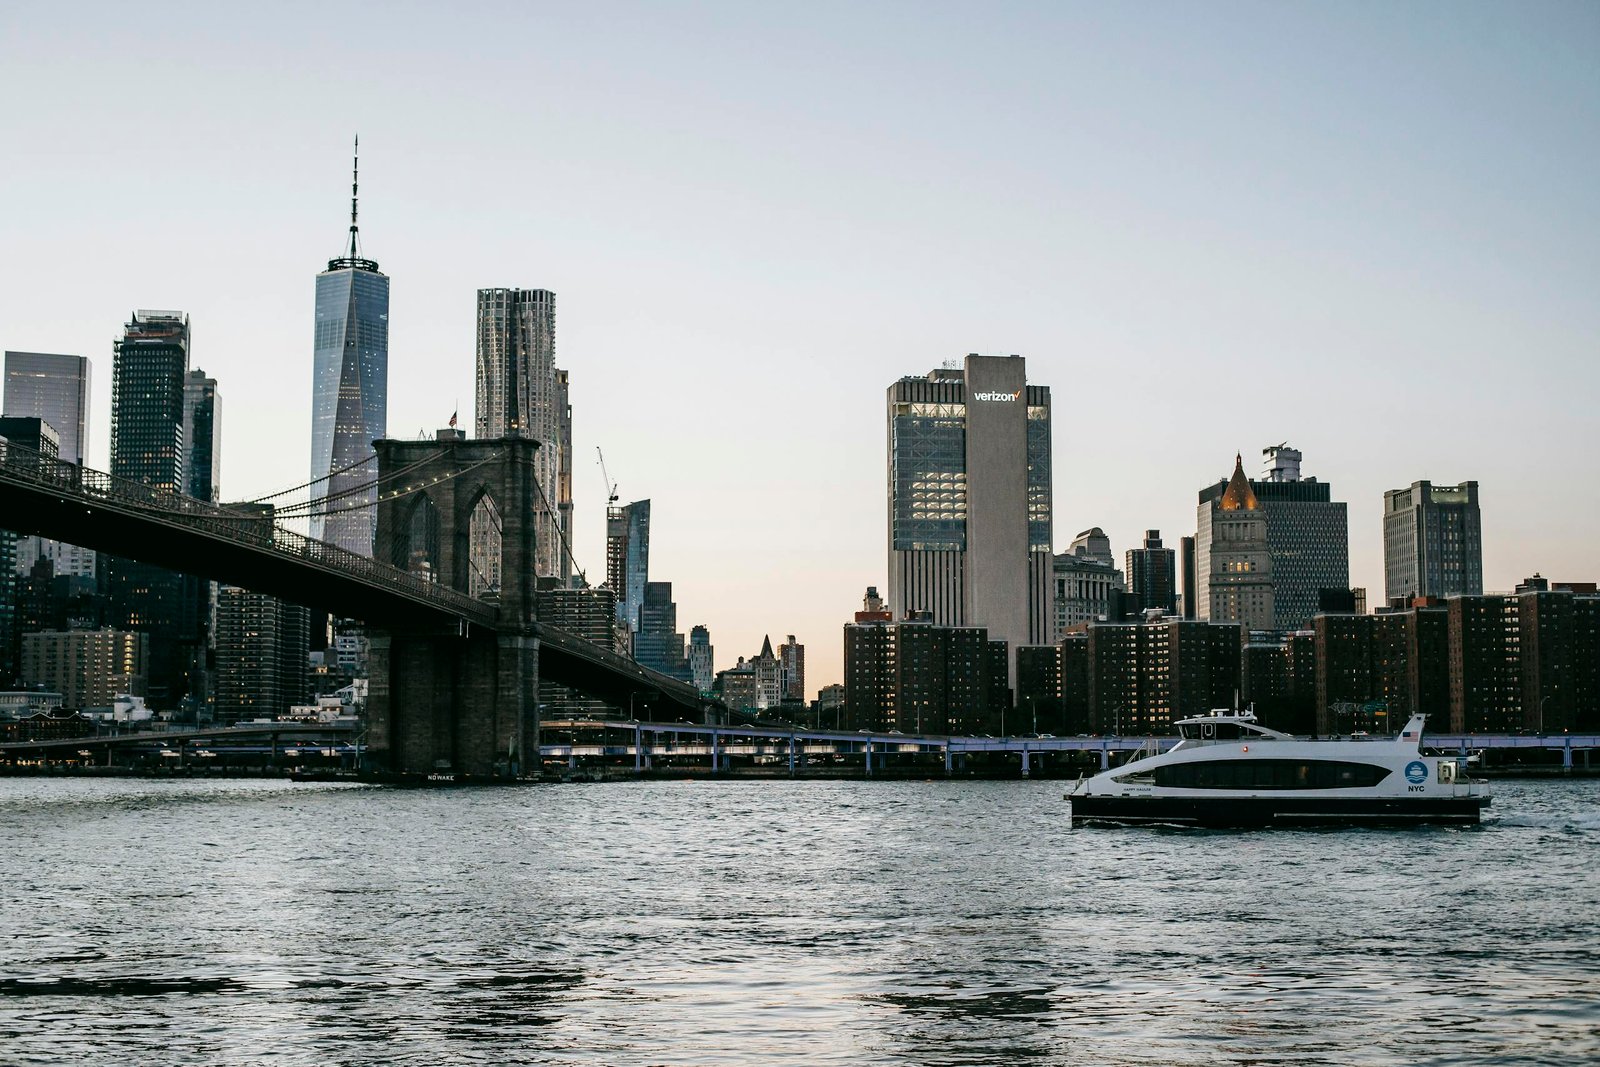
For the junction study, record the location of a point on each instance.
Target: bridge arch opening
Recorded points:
(484, 544)
(418, 549)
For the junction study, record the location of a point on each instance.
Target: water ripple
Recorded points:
(946, 924)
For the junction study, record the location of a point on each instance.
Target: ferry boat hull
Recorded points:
(1241, 812)
(1229, 770)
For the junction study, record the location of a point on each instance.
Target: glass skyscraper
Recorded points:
(55, 388)
(628, 558)
(349, 394)
(970, 499)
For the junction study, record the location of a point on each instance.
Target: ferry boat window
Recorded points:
(1269, 774)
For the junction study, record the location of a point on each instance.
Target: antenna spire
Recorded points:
(355, 188)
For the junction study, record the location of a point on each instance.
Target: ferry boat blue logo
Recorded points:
(1416, 772)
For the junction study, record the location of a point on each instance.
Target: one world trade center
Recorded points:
(349, 393)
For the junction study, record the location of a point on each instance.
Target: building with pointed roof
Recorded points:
(1308, 537)
(349, 392)
(1232, 563)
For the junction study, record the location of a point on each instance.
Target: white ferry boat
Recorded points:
(1228, 770)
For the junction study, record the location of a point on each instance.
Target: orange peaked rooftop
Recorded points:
(1239, 496)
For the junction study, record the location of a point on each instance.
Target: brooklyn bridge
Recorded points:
(454, 677)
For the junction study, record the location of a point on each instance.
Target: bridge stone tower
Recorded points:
(458, 697)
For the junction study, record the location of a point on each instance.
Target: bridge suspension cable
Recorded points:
(308, 485)
(312, 506)
(311, 509)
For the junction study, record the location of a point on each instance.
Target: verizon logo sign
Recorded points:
(1004, 398)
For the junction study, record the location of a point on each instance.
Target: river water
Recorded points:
(941, 923)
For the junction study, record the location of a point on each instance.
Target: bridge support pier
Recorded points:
(947, 767)
(470, 702)
(1566, 757)
(1105, 759)
(1025, 766)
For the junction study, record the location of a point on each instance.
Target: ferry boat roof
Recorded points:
(1205, 726)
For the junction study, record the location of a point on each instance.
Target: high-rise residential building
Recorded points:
(1232, 561)
(521, 393)
(88, 667)
(792, 659)
(657, 644)
(628, 558)
(349, 394)
(701, 668)
(969, 499)
(202, 437)
(53, 388)
(10, 643)
(1432, 541)
(919, 677)
(1153, 576)
(149, 366)
(1307, 532)
(1145, 676)
(1086, 580)
(262, 649)
(589, 613)
(563, 493)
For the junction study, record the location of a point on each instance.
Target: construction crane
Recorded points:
(611, 486)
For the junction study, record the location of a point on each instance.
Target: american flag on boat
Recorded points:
(1409, 735)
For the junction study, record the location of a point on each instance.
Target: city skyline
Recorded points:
(1402, 335)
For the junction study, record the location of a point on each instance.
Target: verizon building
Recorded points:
(969, 499)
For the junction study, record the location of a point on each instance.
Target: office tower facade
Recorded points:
(628, 559)
(54, 388)
(149, 366)
(701, 665)
(969, 499)
(657, 644)
(263, 648)
(1432, 541)
(521, 393)
(1153, 576)
(87, 667)
(792, 658)
(1085, 580)
(202, 437)
(1191, 580)
(1307, 533)
(918, 677)
(349, 394)
(31, 435)
(1232, 562)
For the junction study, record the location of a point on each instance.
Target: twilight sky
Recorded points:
(1369, 229)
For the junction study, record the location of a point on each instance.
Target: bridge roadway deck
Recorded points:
(774, 740)
(60, 500)
(183, 735)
